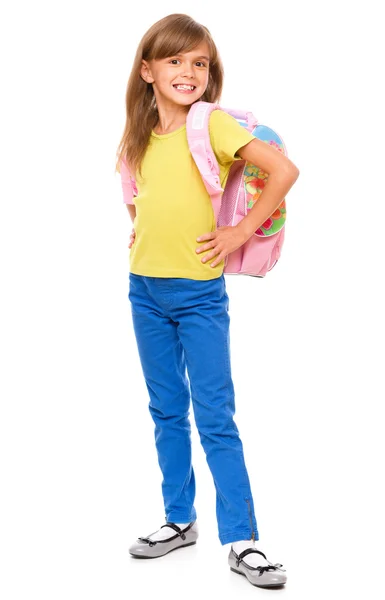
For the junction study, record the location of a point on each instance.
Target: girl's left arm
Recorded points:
(282, 175)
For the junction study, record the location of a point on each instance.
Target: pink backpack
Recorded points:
(243, 187)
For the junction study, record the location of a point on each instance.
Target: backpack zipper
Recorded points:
(251, 520)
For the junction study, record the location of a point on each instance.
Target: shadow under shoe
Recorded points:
(144, 547)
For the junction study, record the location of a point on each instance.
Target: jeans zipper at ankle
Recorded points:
(251, 519)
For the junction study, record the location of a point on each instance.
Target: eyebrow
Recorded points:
(197, 57)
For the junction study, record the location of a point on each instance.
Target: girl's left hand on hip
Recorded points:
(223, 241)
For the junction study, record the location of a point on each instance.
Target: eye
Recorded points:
(174, 61)
(200, 63)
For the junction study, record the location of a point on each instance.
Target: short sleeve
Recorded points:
(127, 183)
(227, 136)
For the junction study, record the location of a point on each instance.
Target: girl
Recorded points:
(177, 288)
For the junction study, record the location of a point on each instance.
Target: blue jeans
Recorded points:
(182, 333)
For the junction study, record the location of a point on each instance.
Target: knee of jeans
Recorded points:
(216, 427)
(171, 417)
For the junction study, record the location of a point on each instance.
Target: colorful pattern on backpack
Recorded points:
(255, 181)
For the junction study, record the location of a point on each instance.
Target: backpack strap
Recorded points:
(198, 138)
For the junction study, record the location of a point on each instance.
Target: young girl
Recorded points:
(177, 288)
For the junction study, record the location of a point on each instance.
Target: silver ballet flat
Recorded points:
(144, 547)
(267, 576)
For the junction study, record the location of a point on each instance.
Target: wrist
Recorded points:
(245, 229)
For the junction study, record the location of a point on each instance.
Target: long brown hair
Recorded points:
(174, 34)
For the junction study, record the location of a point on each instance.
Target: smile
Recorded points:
(184, 88)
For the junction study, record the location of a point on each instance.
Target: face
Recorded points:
(178, 80)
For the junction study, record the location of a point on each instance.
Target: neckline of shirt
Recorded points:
(167, 135)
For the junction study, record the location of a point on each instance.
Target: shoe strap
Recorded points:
(179, 532)
(249, 551)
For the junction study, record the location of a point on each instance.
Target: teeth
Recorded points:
(185, 87)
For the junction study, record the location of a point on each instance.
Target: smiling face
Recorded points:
(178, 80)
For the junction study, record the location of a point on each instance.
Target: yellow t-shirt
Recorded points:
(173, 207)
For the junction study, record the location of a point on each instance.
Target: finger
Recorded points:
(218, 259)
(206, 236)
(206, 246)
(211, 255)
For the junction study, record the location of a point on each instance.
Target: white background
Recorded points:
(79, 472)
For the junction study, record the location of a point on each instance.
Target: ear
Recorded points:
(145, 72)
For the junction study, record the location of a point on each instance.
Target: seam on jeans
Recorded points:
(184, 492)
(226, 343)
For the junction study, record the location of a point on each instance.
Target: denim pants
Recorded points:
(182, 333)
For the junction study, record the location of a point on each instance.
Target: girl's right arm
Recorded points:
(131, 211)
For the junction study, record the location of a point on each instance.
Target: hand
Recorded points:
(223, 241)
(132, 238)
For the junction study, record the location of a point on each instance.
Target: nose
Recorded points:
(188, 72)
